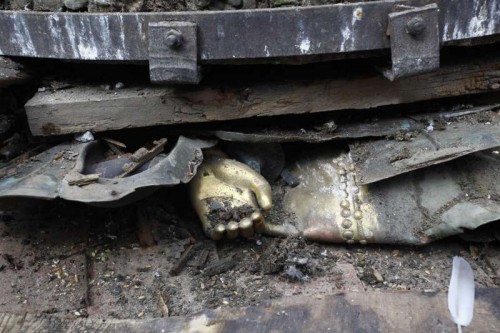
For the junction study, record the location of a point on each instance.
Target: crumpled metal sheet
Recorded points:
(382, 159)
(415, 208)
(46, 175)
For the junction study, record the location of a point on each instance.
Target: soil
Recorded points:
(73, 260)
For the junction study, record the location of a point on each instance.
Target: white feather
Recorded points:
(461, 292)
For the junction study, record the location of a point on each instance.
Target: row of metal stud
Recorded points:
(346, 171)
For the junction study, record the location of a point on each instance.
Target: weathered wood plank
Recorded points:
(351, 312)
(11, 73)
(91, 108)
(233, 35)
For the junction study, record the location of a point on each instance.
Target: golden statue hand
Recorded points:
(230, 198)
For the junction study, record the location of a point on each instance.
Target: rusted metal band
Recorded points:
(234, 35)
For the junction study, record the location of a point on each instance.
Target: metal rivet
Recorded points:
(347, 223)
(174, 39)
(344, 204)
(415, 26)
(345, 213)
(358, 215)
(348, 234)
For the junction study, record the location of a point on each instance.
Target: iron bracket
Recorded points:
(173, 53)
(414, 37)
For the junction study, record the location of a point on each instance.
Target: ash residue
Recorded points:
(221, 211)
(292, 258)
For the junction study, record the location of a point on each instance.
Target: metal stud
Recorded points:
(347, 223)
(348, 234)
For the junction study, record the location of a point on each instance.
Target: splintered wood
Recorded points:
(82, 180)
(141, 156)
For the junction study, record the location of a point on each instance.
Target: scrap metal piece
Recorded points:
(48, 175)
(381, 159)
(330, 205)
(234, 35)
(414, 37)
(173, 53)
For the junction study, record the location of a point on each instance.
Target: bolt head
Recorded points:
(415, 26)
(174, 39)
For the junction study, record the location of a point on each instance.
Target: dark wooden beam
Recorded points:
(11, 73)
(92, 108)
(347, 313)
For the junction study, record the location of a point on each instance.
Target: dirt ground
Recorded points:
(74, 260)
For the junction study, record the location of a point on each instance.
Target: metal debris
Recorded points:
(46, 177)
(381, 159)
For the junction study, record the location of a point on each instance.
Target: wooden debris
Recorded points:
(220, 266)
(77, 109)
(142, 155)
(115, 146)
(11, 73)
(116, 143)
(162, 303)
(190, 251)
(202, 258)
(82, 180)
(145, 228)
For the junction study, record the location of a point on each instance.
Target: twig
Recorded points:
(162, 302)
(186, 256)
